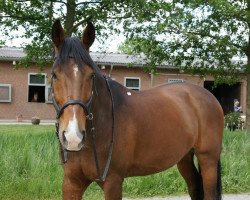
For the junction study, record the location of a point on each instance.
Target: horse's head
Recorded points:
(72, 84)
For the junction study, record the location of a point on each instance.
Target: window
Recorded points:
(175, 80)
(38, 89)
(133, 83)
(5, 92)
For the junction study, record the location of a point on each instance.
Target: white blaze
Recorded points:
(75, 69)
(73, 134)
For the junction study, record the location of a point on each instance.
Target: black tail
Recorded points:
(201, 190)
(219, 185)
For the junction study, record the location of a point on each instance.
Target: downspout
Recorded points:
(152, 78)
(110, 71)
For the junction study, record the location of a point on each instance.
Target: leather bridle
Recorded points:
(86, 106)
(89, 116)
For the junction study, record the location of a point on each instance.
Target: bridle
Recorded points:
(90, 117)
(86, 106)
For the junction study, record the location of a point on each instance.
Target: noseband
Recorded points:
(89, 115)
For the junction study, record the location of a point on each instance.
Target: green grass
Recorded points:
(236, 162)
(30, 169)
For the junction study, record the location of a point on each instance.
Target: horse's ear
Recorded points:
(57, 33)
(88, 36)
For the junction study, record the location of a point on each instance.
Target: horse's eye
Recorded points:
(53, 76)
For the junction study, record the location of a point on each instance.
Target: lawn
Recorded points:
(30, 169)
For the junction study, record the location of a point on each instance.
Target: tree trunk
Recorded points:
(248, 101)
(248, 87)
(247, 123)
(70, 17)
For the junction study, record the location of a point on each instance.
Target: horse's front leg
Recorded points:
(74, 187)
(112, 187)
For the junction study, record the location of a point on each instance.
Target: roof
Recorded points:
(11, 53)
(14, 53)
(117, 59)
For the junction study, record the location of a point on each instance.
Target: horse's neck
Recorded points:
(102, 110)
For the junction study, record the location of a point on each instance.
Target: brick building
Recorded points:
(25, 92)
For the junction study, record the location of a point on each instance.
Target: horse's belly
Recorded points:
(159, 153)
(139, 170)
(156, 161)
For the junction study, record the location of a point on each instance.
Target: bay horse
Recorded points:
(108, 132)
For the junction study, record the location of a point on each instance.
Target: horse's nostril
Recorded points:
(63, 136)
(84, 135)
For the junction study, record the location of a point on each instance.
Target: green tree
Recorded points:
(201, 37)
(198, 36)
(34, 18)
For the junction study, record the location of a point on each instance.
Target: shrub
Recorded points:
(35, 120)
(232, 120)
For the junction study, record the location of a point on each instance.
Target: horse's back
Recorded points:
(200, 100)
(189, 98)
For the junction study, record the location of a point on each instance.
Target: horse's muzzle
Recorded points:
(72, 142)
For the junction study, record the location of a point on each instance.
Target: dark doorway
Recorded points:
(225, 94)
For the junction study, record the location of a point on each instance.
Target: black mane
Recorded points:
(74, 48)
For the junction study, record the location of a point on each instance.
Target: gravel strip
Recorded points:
(225, 197)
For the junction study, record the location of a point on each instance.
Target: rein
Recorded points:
(90, 117)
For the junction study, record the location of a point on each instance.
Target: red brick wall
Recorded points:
(19, 104)
(118, 73)
(19, 81)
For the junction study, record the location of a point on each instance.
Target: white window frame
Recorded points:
(47, 94)
(132, 88)
(40, 84)
(175, 80)
(37, 84)
(10, 88)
